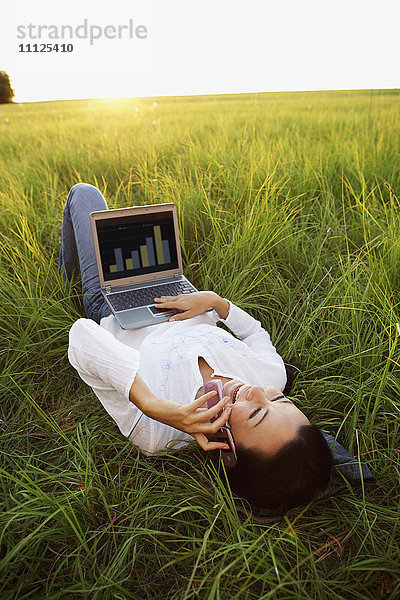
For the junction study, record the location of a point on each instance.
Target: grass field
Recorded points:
(283, 209)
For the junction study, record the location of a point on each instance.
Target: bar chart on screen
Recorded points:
(153, 251)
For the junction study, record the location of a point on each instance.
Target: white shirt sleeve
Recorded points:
(109, 367)
(99, 357)
(250, 331)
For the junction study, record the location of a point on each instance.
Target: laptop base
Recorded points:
(141, 317)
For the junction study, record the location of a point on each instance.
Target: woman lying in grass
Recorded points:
(150, 380)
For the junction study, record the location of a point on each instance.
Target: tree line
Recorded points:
(6, 91)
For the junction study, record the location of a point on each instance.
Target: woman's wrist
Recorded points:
(141, 396)
(221, 306)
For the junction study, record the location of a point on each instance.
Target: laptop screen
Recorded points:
(137, 244)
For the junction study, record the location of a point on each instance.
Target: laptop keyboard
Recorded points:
(145, 296)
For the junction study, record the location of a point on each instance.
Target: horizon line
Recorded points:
(206, 94)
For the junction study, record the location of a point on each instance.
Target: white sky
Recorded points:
(212, 46)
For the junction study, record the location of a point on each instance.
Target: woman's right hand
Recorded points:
(193, 418)
(191, 305)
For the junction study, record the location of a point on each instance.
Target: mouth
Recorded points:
(235, 391)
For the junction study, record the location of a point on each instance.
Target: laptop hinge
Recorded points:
(107, 289)
(177, 275)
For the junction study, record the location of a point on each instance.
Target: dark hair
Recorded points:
(289, 478)
(292, 372)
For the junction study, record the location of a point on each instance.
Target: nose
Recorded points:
(256, 392)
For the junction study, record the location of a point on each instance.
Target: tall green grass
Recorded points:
(283, 208)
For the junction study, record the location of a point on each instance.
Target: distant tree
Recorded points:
(6, 91)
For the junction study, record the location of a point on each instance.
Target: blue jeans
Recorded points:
(77, 249)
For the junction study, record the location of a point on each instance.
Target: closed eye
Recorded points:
(278, 398)
(255, 412)
(267, 410)
(284, 397)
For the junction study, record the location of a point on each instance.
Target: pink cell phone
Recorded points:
(223, 435)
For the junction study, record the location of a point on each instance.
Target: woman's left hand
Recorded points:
(192, 418)
(190, 305)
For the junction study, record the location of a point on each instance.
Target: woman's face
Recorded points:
(262, 418)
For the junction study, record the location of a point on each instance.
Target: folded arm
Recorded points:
(110, 368)
(241, 323)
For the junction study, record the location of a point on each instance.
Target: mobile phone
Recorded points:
(224, 434)
(214, 386)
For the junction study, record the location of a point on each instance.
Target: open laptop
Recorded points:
(138, 257)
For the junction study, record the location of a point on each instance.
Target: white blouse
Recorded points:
(165, 356)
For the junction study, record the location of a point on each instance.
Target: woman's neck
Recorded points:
(206, 373)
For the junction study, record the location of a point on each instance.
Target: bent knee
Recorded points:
(85, 193)
(83, 187)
